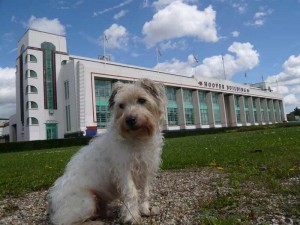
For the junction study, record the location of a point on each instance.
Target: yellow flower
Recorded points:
(220, 168)
(213, 164)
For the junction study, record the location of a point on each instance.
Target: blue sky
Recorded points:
(260, 38)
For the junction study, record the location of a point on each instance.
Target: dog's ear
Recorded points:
(157, 90)
(116, 88)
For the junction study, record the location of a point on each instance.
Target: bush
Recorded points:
(43, 144)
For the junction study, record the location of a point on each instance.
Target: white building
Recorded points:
(60, 95)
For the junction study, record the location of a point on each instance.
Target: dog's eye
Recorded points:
(141, 101)
(121, 106)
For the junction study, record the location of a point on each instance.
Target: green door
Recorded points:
(51, 131)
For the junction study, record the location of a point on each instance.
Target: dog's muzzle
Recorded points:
(131, 122)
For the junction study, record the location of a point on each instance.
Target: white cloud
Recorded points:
(112, 8)
(7, 92)
(120, 14)
(244, 58)
(235, 33)
(179, 19)
(241, 7)
(291, 99)
(259, 17)
(176, 66)
(160, 4)
(181, 44)
(47, 25)
(288, 81)
(117, 37)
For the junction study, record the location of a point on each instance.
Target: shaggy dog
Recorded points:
(119, 164)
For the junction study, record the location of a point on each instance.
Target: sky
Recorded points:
(258, 40)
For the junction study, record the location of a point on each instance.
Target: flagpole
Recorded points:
(104, 53)
(224, 68)
(196, 61)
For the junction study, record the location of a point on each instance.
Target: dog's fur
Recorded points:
(119, 164)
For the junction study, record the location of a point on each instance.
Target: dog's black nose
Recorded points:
(131, 121)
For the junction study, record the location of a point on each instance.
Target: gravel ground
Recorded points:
(184, 197)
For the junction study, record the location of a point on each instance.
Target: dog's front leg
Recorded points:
(129, 194)
(145, 208)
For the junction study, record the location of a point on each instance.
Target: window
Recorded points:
(50, 75)
(203, 108)
(255, 110)
(172, 108)
(275, 110)
(31, 89)
(103, 115)
(51, 131)
(172, 116)
(269, 109)
(31, 105)
(30, 58)
(187, 97)
(216, 108)
(32, 121)
(64, 62)
(237, 109)
(189, 116)
(188, 106)
(103, 90)
(30, 74)
(66, 85)
(262, 111)
(247, 113)
(68, 118)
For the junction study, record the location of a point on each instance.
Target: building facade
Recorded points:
(59, 94)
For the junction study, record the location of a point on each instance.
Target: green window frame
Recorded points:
(31, 105)
(67, 91)
(269, 109)
(49, 79)
(172, 116)
(237, 109)
(32, 121)
(68, 118)
(51, 131)
(188, 107)
(30, 58)
(103, 90)
(203, 107)
(262, 111)
(275, 111)
(216, 108)
(30, 74)
(189, 116)
(30, 89)
(246, 107)
(172, 107)
(255, 110)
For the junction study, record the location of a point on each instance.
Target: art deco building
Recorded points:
(61, 95)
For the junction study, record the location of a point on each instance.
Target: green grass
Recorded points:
(265, 155)
(22, 172)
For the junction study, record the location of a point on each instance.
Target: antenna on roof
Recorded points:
(195, 57)
(224, 68)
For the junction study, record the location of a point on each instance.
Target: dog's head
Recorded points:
(138, 108)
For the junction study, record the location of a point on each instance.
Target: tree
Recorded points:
(296, 111)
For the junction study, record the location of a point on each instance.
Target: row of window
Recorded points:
(103, 89)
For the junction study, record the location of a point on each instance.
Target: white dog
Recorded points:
(119, 164)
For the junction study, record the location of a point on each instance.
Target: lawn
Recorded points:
(265, 157)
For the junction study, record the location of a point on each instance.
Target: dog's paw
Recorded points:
(132, 220)
(150, 211)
